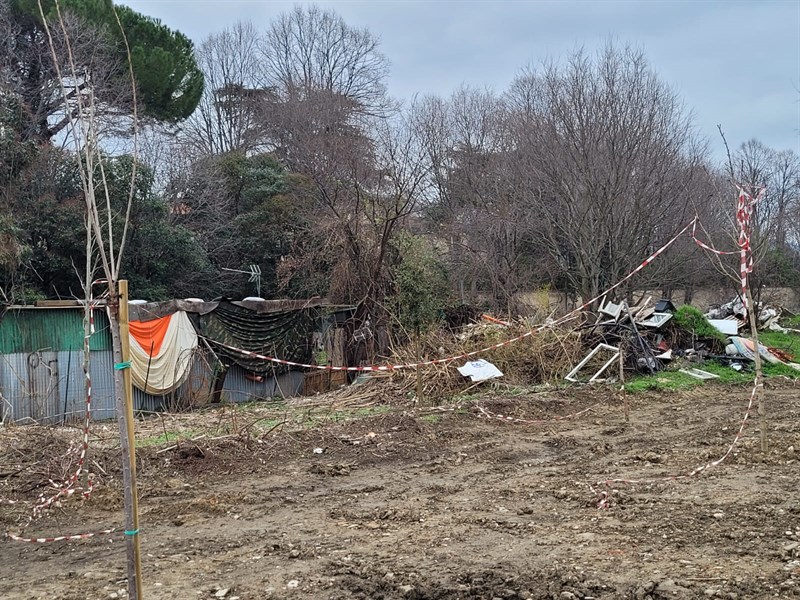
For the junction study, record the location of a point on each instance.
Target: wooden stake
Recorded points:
(124, 405)
(625, 407)
(762, 405)
(419, 370)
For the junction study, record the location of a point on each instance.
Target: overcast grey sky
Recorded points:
(735, 63)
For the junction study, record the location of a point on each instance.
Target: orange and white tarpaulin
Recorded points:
(161, 352)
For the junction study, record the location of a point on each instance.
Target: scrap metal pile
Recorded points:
(615, 343)
(647, 338)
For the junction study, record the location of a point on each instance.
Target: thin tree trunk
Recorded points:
(762, 406)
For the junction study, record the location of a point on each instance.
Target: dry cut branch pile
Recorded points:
(543, 357)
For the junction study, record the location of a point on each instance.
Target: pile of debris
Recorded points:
(647, 339)
(534, 359)
(768, 317)
(618, 341)
(632, 338)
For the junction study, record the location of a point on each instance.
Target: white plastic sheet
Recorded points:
(480, 370)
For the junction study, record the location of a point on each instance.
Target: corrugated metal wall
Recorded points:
(41, 365)
(48, 387)
(238, 388)
(27, 330)
(41, 372)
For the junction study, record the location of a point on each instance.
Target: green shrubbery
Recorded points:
(689, 318)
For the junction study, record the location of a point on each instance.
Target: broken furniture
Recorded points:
(699, 374)
(572, 375)
(665, 306)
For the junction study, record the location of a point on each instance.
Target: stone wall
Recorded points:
(703, 298)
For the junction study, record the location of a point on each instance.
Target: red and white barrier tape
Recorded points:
(603, 497)
(507, 419)
(707, 247)
(744, 213)
(68, 487)
(567, 317)
(60, 538)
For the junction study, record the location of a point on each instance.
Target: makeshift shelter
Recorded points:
(282, 334)
(177, 356)
(41, 364)
(161, 353)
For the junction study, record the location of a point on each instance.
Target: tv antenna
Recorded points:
(255, 276)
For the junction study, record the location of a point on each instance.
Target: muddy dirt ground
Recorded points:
(413, 503)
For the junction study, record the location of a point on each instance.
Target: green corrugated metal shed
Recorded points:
(27, 329)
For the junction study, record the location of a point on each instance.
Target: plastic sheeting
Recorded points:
(286, 335)
(172, 340)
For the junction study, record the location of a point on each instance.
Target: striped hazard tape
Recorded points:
(60, 538)
(604, 497)
(69, 487)
(508, 419)
(425, 363)
(745, 204)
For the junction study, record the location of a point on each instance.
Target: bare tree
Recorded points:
(608, 156)
(311, 49)
(107, 242)
(478, 207)
(774, 249)
(307, 73)
(779, 172)
(363, 201)
(225, 119)
(785, 195)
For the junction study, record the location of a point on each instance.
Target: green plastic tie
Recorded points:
(123, 365)
(134, 532)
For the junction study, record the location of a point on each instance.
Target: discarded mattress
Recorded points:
(746, 348)
(161, 352)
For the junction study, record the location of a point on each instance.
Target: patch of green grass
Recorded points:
(434, 418)
(790, 342)
(167, 437)
(276, 402)
(793, 322)
(663, 381)
(781, 370)
(675, 380)
(515, 390)
(727, 374)
(689, 318)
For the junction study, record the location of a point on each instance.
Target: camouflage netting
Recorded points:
(286, 335)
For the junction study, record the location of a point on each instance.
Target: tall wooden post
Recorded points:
(125, 420)
(762, 403)
(625, 407)
(419, 370)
